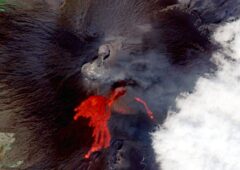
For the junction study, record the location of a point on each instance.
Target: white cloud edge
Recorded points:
(205, 133)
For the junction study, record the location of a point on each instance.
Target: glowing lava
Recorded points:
(98, 109)
(149, 112)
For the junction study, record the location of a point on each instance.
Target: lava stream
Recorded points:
(149, 112)
(98, 109)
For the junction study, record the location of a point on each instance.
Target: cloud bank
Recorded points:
(205, 133)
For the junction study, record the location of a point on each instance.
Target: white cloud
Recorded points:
(205, 133)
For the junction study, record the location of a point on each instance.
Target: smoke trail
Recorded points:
(204, 134)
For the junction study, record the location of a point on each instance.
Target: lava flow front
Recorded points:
(98, 109)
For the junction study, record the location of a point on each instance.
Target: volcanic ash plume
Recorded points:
(205, 133)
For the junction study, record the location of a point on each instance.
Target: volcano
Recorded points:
(119, 84)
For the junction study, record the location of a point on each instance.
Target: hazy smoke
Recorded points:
(204, 133)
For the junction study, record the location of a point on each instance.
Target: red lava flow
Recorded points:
(98, 109)
(149, 112)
